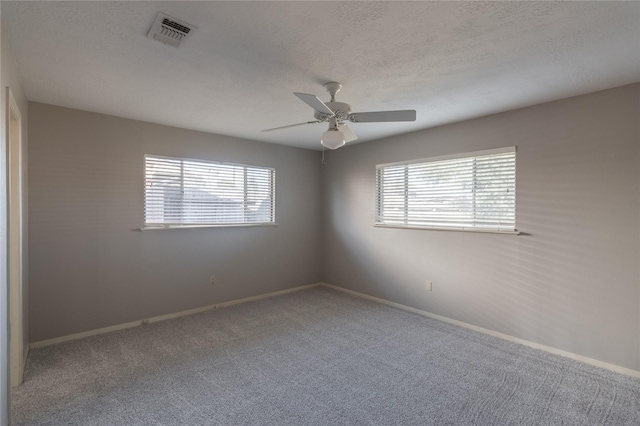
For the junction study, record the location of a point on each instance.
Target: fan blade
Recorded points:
(290, 125)
(314, 102)
(348, 133)
(383, 116)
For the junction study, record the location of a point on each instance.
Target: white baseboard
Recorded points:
(24, 358)
(163, 317)
(576, 357)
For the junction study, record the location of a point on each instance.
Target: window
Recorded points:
(184, 192)
(474, 191)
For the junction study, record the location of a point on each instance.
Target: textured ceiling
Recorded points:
(450, 61)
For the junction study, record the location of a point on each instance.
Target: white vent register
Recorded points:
(170, 30)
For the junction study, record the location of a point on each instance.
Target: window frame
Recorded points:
(459, 156)
(153, 226)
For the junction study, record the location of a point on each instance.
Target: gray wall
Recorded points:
(572, 282)
(9, 77)
(91, 268)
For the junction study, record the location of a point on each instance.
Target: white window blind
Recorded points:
(475, 191)
(185, 192)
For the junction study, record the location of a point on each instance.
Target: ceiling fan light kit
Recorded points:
(333, 139)
(336, 113)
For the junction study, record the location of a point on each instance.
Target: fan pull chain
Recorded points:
(322, 162)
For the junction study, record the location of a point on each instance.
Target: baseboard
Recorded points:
(163, 317)
(24, 358)
(576, 357)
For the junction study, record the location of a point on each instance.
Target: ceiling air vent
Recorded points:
(169, 30)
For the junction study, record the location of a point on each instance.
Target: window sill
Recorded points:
(225, 225)
(433, 228)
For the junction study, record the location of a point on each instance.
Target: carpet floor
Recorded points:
(313, 357)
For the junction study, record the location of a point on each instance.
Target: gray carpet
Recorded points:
(314, 357)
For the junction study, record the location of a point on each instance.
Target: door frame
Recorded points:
(14, 239)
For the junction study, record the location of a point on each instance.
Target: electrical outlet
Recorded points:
(212, 280)
(429, 286)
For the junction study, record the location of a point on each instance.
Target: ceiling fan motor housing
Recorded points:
(340, 109)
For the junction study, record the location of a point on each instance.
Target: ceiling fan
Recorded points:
(336, 113)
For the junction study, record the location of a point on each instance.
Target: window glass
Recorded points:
(475, 190)
(180, 191)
